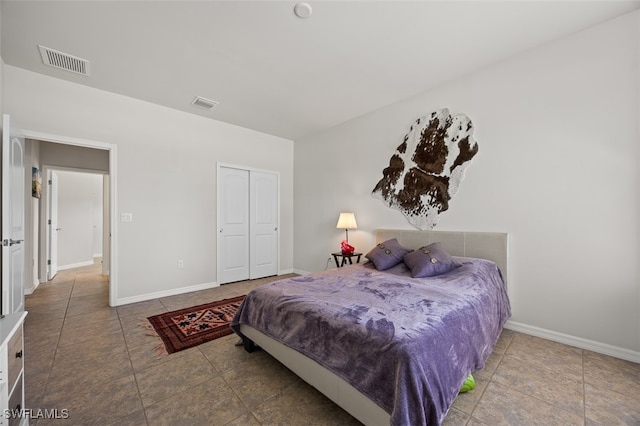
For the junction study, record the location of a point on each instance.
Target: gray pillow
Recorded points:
(387, 254)
(429, 261)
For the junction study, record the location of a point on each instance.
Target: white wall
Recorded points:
(79, 217)
(557, 168)
(166, 176)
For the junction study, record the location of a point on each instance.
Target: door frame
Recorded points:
(113, 225)
(218, 224)
(45, 234)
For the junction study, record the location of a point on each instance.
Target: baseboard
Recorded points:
(578, 342)
(300, 272)
(182, 290)
(165, 293)
(30, 290)
(75, 265)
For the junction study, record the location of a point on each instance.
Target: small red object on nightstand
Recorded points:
(346, 247)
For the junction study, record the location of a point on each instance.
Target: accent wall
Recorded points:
(557, 170)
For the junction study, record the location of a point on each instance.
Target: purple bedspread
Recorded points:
(408, 344)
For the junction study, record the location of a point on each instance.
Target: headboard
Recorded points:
(485, 245)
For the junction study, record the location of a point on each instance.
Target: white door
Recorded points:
(13, 219)
(52, 225)
(263, 229)
(233, 232)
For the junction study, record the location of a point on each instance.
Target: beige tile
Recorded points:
(142, 336)
(506, 337)
(175, 376)
(98, 316)
(564, 391)
(225, 356)
(136, 419)
(76, 370)
(43, 327)
(607, 407)
(187, 300)
(247, 419)
(608, 373)
(89, 289)
(88, 305)
(85, 332)
(209, 403)
(40, 346)
(154, 353)
(46, 307)
(141, 309)
(97, 403)
(490, 366)
(475, 422)
(562, 359)
(301, 404)
(257, 382)
(502, 405)
(455, 418)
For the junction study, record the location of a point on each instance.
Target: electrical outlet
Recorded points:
(180, 264)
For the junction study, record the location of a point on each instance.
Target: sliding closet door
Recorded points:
(263, 230)
(233, 233)
(248, 224)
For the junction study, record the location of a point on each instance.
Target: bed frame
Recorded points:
(486, 245)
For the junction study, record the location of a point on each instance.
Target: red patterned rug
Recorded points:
(189, 327)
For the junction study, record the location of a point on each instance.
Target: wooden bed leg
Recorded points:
(249, 346)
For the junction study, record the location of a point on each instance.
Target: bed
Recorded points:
(387, 347)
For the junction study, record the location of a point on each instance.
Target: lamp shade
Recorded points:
(347, 221)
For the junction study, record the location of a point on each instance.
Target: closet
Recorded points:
(247, 224)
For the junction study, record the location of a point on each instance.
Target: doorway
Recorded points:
(65, 153)
(75, 219)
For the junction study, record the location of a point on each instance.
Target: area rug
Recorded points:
(189, 327)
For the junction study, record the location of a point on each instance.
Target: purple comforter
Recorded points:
(408, 344)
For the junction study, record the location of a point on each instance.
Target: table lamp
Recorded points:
(347, 221)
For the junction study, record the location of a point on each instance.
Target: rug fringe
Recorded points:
(159, 350)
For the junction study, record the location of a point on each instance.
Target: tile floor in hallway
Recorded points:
(99, 364)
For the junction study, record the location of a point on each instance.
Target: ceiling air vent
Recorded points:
(203, 103)
(64, 61)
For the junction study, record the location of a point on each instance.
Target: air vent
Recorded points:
(64, 61)
(203, 103)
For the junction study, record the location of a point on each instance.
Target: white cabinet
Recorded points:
(12, 370)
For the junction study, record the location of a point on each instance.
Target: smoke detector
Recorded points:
(203, 103)
(302, 10)
(64, 61)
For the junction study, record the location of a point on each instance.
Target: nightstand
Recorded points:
(345, 258)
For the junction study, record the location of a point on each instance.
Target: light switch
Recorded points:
(126, 217)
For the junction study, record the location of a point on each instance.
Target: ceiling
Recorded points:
(274, 72)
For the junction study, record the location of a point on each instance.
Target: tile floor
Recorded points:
(99, 364)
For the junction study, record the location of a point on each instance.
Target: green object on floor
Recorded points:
(469, 384)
